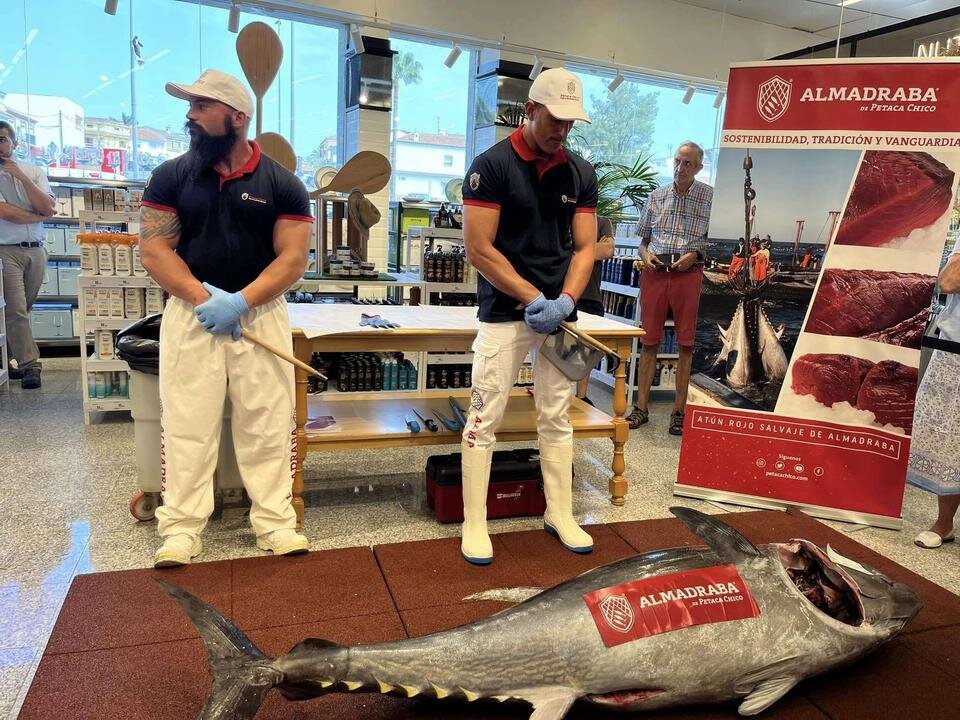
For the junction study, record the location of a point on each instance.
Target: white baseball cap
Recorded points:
(216, 85)
(561, 92)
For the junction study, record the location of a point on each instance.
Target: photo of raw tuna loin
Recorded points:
(888, 392)
(830, 377)
(871, 303)
(908, 333)
(893, 194)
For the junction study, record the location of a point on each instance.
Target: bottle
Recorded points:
(377, 374)
(123, 383)
(91, 385)
(431, 378)
(456, 378)
(442, 381)
(468, 377)
(100, 385)
(412, 376)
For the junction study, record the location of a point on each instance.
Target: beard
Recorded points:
(211, 149)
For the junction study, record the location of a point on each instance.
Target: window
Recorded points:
(645, 117)
(68, 113)
(429, 120)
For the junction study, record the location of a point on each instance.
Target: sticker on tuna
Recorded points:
(641, 608)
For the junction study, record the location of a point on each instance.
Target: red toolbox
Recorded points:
(516, 485)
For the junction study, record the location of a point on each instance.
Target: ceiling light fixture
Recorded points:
(454, 55)
(357, 37)
(110, 7)
(233, 20)
(688, 95)
(718, 100)
(537, 68)
(616, 82)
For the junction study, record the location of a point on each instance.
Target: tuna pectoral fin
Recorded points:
(242, 675)
(726, 542)
(766, 694)
(549, 703)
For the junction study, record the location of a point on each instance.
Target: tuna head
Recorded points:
(850, 591)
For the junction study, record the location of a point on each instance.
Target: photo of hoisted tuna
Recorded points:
(751, 352)
(729, 622)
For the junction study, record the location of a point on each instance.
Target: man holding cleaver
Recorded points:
(530, 227)
(224, 230)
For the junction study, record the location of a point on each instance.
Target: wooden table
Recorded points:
(375, 419)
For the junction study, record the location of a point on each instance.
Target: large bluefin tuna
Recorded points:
(670, 627)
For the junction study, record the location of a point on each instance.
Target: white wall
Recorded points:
(659, 35)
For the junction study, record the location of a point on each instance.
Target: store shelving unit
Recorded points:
(89, 222)
(73, 197)
(4, 360)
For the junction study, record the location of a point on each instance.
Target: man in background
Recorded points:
(673, 232)
(25, 200)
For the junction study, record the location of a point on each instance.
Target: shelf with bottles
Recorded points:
(621, 274)
(107, 385)
(364, 372)
(616, 306)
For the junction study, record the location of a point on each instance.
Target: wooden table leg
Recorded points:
(302, 351)
(621, 431)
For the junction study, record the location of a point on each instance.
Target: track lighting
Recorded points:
(110, 7)
(536, 69)
(233, 21)
(357, 37)
(718, 100)
(453, 56)
(616, 82)
(688, 95)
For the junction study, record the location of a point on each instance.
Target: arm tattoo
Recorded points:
(159, 225)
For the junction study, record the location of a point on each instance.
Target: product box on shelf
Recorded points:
(154, 301)
(51, 321)
(103, 344)
(67, 274)
(117, 309)
(54, 239)
(96, 199)
(90, 300)
(70, 245)
(133, 302)
(516, 485)
(78, 201)
(51, 285)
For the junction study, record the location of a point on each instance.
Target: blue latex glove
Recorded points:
(221, 314)
(544, 316)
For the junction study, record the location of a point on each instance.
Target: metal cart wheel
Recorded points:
(143, 505)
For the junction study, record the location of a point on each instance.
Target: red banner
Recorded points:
(807, 354)
(641, 608)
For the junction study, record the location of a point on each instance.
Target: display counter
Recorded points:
(375, 419)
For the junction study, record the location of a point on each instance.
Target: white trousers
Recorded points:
(197, 371)
(499, 351)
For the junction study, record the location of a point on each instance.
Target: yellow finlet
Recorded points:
(471, 696)
(352, 684)
(326, 683)
(384, 687)
(501, 698)
(441, 693)
(410, 690)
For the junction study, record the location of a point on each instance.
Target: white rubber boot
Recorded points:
(556, 463)
(475, 545)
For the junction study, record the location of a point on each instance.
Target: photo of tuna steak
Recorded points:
(888, 392)
(886, 388)
(830, 377)
(889, 307)
(893, 194)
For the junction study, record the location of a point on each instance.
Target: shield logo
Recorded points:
(571, 87)
(773, 98)
(474, 181)
(617, 612)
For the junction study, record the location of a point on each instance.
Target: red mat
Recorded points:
(122, 648)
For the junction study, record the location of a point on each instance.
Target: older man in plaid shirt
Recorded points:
(673, 234)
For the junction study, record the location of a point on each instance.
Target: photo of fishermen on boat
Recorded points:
(774, 214)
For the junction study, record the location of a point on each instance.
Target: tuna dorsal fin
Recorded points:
(766, 694)
(549, 703)
(726, 542)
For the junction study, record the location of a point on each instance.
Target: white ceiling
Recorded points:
(823, 16)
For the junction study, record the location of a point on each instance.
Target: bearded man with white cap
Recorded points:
(224, 230)
(530, 227)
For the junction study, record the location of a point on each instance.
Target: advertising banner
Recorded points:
(836, 193)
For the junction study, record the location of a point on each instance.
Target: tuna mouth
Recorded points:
(822, 582)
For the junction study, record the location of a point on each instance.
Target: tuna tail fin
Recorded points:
(726, 542)
(242, 675)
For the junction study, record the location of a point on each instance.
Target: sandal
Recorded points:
(676, 423)
(637, 418)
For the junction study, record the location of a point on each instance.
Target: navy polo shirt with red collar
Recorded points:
(537, 199)
(227, 221)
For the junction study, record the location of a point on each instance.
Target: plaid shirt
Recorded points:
(677, 223)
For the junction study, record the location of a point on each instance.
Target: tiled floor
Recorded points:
(65, 489)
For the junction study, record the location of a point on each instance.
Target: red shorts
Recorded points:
(678, 292)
